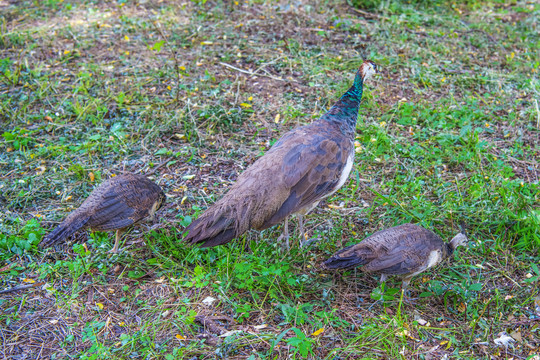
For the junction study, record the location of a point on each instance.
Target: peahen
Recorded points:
(303, 167)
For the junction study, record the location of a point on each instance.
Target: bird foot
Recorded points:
(114, 250)
(309, 242)
(284, 240)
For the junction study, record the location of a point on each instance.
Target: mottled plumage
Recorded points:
(404, 250)
(303, 167)
(114, 205)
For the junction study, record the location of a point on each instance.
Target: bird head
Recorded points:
(458, 240)
(367, 69)
(161, 200)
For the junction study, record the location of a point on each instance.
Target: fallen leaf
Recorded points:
(53, 322)
(516, 335)
(318, 332)
(259, 327)
(100, 306)
(244, 105)
(180, 337)
(276, 119)
(29, 281)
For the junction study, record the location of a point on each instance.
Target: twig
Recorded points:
(6, 268)
(368, 14)
(537, 114)
(160, 166)
(21, 287)
(251, 73)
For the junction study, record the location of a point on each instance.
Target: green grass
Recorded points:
(449, 132)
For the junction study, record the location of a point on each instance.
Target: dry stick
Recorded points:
(369, 15)
(537, 114)
(160, 166)
(21, 287)
(251, 73)
(176, 63)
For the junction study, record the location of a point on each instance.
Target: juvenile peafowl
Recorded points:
(405, 250)
(114, 205)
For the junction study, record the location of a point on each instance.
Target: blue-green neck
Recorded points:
(345, 111)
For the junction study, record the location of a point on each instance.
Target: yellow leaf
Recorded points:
(183, 200)
(100, 306)
(318, 332)
(250, 98)
(66, 52)
(91, 176)
(244, 105)
(180, 337)
(168, 87)
(183, 68)
(30, 281)
(206, 43)
(126, 38)
(276, 119)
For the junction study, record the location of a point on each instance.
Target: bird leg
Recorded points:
(406, 293)
(301, 227)
(285, 234)
(114, 250)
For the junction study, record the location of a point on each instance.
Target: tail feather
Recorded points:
(63, 231)
(210, 233)
(344, 259)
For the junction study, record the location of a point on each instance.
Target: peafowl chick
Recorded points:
(114, 205)
(405, 250)
(302, 168)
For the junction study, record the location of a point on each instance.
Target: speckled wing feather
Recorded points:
(122, 204)
(304, 166)
(115, 204)
(397, 250)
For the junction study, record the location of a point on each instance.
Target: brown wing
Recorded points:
(115, 204)
(121, 201)
(401, 250)
(304, 166)
(311, 171)
(398, 250)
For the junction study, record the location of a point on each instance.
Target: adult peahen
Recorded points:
(303, 167)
